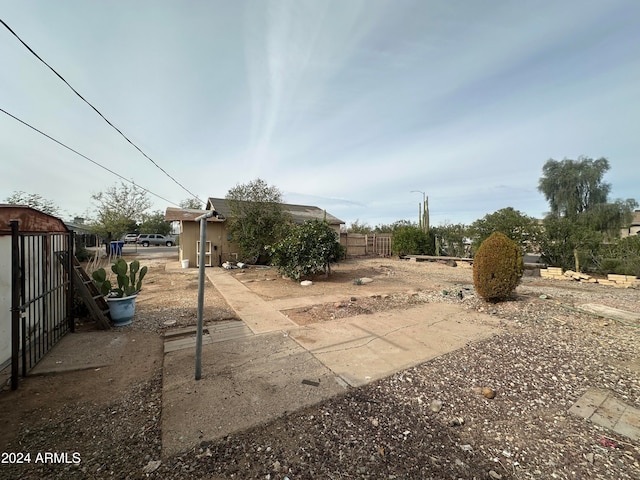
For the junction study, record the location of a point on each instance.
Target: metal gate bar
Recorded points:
(42, 296)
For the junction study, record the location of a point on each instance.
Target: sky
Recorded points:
(357, 107)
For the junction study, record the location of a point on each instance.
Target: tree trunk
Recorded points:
(577, 259)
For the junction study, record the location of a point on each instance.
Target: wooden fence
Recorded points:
(359, 245)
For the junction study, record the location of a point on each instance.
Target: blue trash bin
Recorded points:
(116, 248)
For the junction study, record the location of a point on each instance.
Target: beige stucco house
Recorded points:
(220, 247)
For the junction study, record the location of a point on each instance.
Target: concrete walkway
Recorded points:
(278, 366)
(378, 344)
(368, 347)
(252, 309)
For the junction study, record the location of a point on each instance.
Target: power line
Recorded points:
(87, 158)
(99, 113)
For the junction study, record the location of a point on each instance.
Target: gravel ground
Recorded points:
(428, 422)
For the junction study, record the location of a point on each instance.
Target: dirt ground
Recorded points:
(426, 422)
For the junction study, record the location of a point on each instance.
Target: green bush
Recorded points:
(621, 257)
(308, 249)
(411, 240)
(497, 267)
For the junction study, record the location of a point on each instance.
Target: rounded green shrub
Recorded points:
(497, 267)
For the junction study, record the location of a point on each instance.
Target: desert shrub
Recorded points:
(621, 257)
(411, 240)
(308, 249)
(497, 267)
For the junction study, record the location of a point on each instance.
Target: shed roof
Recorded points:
(29, 220)
(299, 213)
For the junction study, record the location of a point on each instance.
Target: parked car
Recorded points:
(146, 239)
(130, 238)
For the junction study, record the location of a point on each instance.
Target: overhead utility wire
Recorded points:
(98, 112)
(84, 156)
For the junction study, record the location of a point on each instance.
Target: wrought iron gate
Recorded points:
(41, 296)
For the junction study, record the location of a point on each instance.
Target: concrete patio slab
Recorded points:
(610, 312)
(603, 408)
(180, 338)
(79, 351)
(252, 379)
(245, 382)
(368, 347)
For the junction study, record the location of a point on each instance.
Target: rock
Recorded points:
(338, 305)
(366, 280)
(451, 263)
(276, 466)
(306, 283)
(436, 406)
(354, 299)
(152, 466)
(495, 475)
(488, 392)
(456, 422)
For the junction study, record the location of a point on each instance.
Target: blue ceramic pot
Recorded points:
(122, 310)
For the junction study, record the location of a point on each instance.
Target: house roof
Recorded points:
(29, 219)
(187, 215)
(299, 213)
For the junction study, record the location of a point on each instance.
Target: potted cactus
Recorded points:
(121, 298)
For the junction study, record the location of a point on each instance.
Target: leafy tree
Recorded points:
(390, 228)
(520, 228)
(621, 257)
(357, 227)
(581, 217)
(257, 219)
(155, 223)
(191, 203)
(573, 186)
(412, 240)
(308, 249)
(451, 239)
(119, 209)
(568, 244)
(33, 200)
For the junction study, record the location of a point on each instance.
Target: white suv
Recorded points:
(130, 238)
(146, 239)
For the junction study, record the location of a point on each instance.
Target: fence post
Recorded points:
(15, 303)
(71, 242)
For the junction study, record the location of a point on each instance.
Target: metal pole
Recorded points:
(203, 241)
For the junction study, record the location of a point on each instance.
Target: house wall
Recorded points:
(221, 248)
(5, 300)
